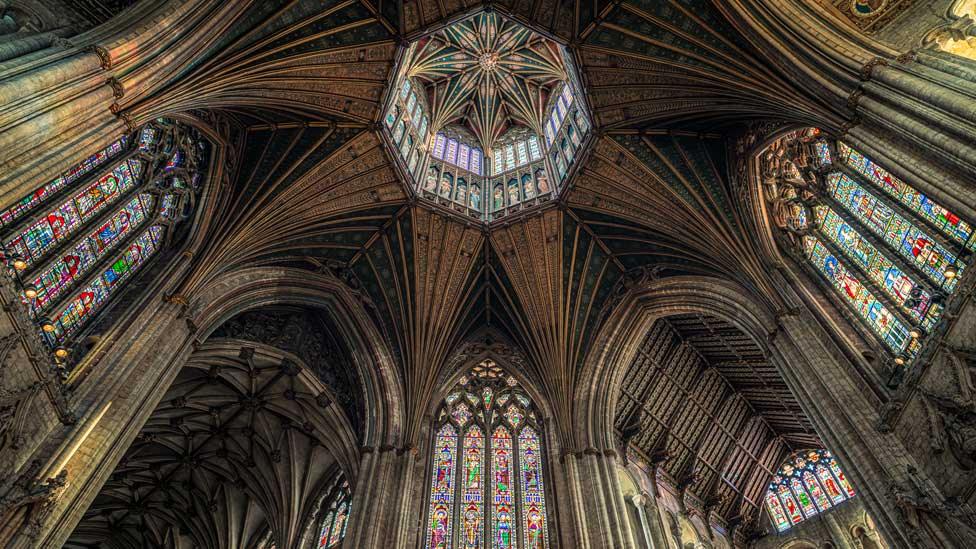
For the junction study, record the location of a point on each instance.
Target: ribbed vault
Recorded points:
(243, 441)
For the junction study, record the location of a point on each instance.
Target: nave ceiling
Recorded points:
(294, 92)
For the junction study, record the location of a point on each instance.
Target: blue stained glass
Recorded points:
(451, 154)
(90, 299)
(891, 330)
(44, 192)
(912, 242)
(476, 161)
(439, 143)
(880, 269)
(946, 221)
(62, 273)
(823, 153)
(147, 138)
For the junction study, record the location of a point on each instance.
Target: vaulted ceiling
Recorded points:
(488, 73)
(296, 89)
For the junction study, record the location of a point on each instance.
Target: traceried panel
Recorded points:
(890, 254)
(334, 511)
(75, 241)
(487, 485)
(808, 483)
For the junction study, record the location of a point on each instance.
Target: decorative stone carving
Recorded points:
(952, 415)
(38, 497)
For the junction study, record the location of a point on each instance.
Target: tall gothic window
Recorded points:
(334, 512)
(75, 241)
(487, 489)
(808, 483)
(891, 254)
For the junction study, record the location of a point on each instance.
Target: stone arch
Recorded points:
(617, 342)
(246, 435)
(252, 288)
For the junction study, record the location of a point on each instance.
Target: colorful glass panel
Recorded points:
(439, 143)
(806, 483)
(509, 157)
(823, 153)
(503, 530)
(476, 161)
(911, 242)
(523, 153)
(461, 414)
(834, 468)
(62, 221)
(806, 503)
(534, 151)
(789, 504)
(342, 514)
(147, 138)
(472, 490)
(45, 192)
(411, 102)
(830, 484)
(61, 273)
(442, 489)
(451, 154)
(324, 533)
(891, 330)
(880, 269)
(813, 488)
(463, 156)
(919, 204)
(514, 416)
(532, 491)
(776, 512)
(92, 296)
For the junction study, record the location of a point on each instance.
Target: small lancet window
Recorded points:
(334, 512)
(808, 483)
(891, 254)
(487, 486)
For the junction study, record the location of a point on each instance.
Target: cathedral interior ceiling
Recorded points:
(242, 430)
(298, 87)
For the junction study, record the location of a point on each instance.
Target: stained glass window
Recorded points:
(807, 483)
(891, 253)
(334, 510)
(860, 297)
(494, 470)
(45, 192)
(98, 224)
(916, 202)
(457, 153)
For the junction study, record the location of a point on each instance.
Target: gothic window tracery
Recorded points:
(487, 478)
(75, 241)
(808, 483)
(334, 511)
(890, 254)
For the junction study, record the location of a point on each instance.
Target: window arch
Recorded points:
(807, 483)
(890, 253)
(75, 241)
(487, 429)
(335, 508)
